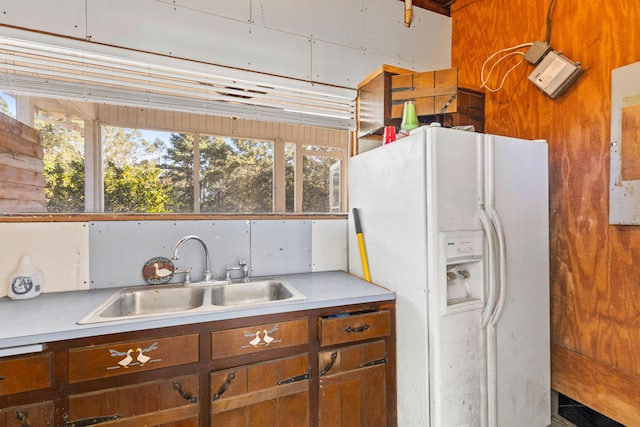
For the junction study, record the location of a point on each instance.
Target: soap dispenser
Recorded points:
(26, 281)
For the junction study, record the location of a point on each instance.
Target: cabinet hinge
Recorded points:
(296, 378)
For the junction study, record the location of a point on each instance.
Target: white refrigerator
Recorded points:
(457, 224)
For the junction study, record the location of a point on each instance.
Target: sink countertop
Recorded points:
(53, 316)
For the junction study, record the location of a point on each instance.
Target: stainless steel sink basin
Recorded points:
(245, 294)
(148, 301)
(202, 297)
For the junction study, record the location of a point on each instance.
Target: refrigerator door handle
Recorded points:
(490, 295)
(501, 265)
(490, 303)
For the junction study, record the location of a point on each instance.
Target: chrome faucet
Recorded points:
(207, 267)
(241, 266)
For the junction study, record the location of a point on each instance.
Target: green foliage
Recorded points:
(134, 188)
(63, 168)
(235, 175)
(64, 186)
(177, 166)
(316, 183)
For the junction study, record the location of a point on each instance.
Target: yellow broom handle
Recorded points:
(363, 252)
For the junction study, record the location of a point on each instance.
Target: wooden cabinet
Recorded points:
(273, 393)
(12, 373)
(353, 389)
(38, 414)
(324, 367)
(353, 378)
(354, 327)
(126, 357)
(381, 97)
(166, 402)
(253, 339)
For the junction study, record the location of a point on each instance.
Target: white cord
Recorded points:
(508, 49)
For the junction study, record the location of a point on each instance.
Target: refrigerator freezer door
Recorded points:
(523, 329)
(387, 186)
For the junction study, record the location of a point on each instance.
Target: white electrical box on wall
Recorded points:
(624, 195)
(555, 73)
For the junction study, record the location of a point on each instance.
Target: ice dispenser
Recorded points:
(464, 270)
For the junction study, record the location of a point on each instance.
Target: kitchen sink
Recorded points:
(249, 293)
(148, 301)
(145, 301)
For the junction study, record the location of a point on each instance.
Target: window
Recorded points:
(142, 170)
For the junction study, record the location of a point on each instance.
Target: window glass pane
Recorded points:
(134, 172)
(7, 104)
(178, 172)
(290, 177)
(315, 191)
(236, 175)
(63, 165)
(321, 149)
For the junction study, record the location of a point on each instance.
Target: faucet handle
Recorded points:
(245, 271)
(187, 275)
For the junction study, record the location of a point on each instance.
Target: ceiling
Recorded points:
(438, 6)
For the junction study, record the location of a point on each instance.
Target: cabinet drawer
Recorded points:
(355, 327)
(120, 358)
(259, 338)
(14, 380)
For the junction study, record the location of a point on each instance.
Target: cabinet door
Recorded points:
(171, 402)
(353, 386)
(39, 414)
(274, 393)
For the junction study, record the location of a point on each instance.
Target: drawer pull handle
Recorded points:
(22, 417)
(178, 386)
(358, 329)
(382, 361)
(225, 386)
(89, 421)
(295, 379)
(327, 368)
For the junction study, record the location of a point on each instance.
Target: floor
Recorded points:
(579, 415)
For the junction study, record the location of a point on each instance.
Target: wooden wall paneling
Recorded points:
(21, 168)
(595, 297)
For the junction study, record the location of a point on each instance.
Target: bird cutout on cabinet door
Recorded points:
(142, 358)
(123, 362)
(256, 340)
(267, 339)
(128, 360)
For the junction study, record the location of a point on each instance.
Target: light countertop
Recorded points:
(53, 316)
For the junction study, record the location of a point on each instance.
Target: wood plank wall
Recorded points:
(21, 168)
(218, 125)
(595, 285)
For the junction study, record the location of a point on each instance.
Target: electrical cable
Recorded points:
(485, 81)
(548, 39)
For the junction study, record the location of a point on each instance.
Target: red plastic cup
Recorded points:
(389, 134)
